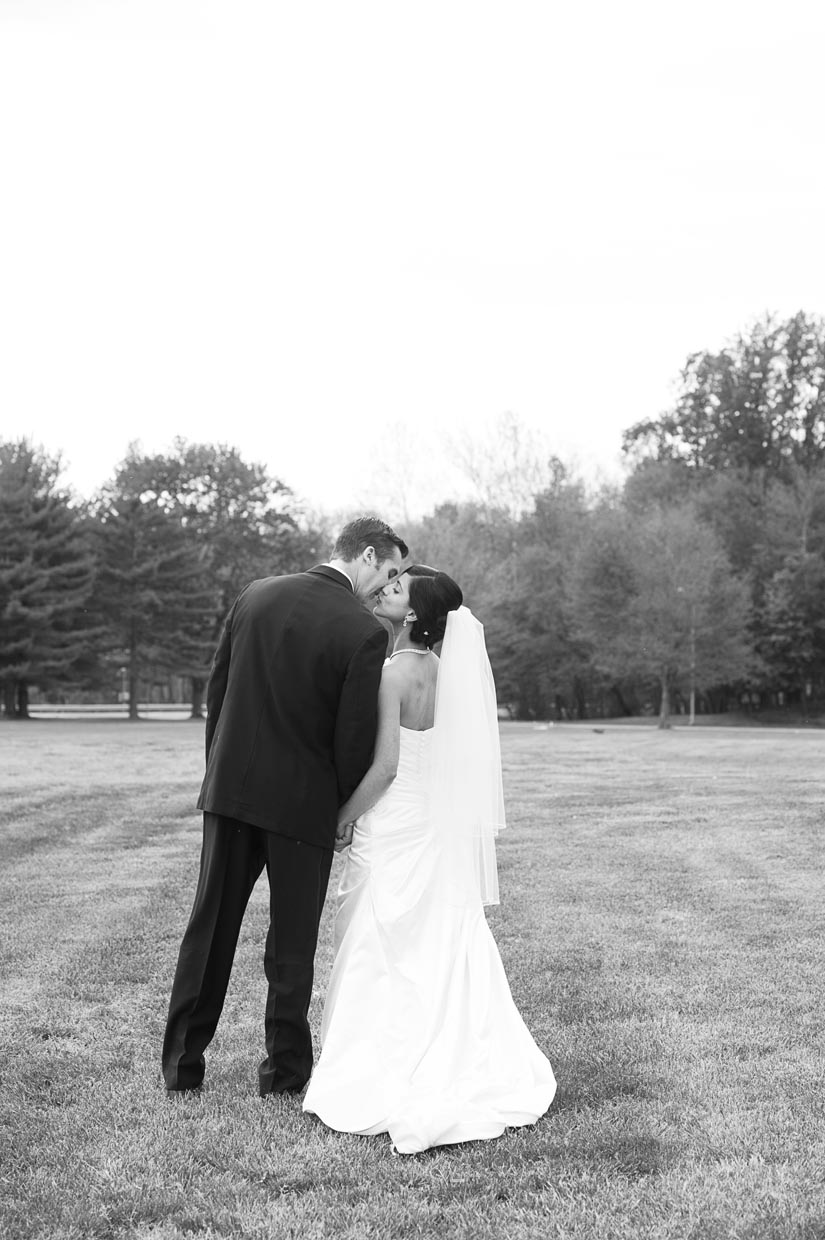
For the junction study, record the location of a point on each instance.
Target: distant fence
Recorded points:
(109, 710)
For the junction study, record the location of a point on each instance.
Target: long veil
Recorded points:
(467, 798)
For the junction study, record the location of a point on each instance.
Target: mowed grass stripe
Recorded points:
(659, 935)
(73, 818)
(675, 909)
(88, 867)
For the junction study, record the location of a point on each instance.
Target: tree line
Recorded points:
(697, 584)
(133, 586)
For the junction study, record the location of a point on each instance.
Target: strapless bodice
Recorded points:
(405, 804)
(414, 756)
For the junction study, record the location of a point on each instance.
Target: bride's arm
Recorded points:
(384, 767)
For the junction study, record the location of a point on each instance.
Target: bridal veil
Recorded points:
(466, 794)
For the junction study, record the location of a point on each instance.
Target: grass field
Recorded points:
(661, 925)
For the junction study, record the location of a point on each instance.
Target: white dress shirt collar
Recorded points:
(343, 572)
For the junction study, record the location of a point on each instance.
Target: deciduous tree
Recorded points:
(758, 404)
(656, 598)
(239, 522)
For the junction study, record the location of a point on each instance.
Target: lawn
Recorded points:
(661, 925)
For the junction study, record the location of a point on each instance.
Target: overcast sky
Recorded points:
(330, 234)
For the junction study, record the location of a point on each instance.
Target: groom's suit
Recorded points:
(291, 718)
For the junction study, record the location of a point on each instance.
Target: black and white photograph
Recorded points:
(412, 620)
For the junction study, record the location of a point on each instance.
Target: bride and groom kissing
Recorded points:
(316, 742)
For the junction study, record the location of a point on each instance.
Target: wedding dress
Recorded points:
(420, 1035)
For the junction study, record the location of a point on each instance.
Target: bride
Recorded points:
(420, 1036)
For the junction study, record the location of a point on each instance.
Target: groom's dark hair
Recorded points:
(365, 532)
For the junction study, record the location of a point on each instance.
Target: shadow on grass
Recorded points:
(581, 990)
(634, 1156)
(584, 1089)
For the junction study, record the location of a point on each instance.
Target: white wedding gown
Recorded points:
(420, 1036)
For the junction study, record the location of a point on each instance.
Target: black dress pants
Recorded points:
(233, 856)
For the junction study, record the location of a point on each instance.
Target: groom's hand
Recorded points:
(343, 836)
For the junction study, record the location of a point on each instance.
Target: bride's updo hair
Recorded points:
(432, 595)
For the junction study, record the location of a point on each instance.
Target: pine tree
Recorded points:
(46, 576)
(150, 593)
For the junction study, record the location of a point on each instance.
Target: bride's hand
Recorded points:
(343, 835)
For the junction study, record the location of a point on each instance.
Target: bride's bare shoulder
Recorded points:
(409, 671)
(394, 673)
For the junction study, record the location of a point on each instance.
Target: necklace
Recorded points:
(408, 650)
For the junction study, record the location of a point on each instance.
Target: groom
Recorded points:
(290, 729)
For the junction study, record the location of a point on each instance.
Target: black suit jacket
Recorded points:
(292, 704)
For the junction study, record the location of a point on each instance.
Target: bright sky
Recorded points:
(331, 233)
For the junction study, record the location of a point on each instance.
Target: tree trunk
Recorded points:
(616, 694)
(133, 672)
(133, 696)
(133, 688)
(8, 699)
(664, 709)
(22, 703)
(197, 698)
